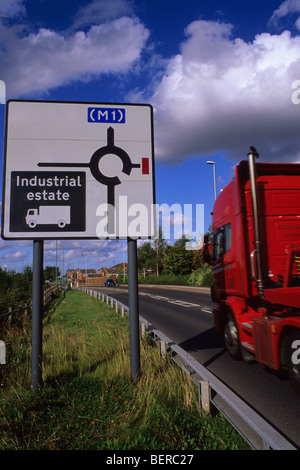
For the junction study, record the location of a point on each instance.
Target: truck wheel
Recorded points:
(61, 224)
(32, 224)
(293, 360)
(231, 337)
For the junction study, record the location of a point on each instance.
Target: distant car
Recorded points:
(109, 283)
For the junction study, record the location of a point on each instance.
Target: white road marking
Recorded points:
(207, 310)
(180, 303)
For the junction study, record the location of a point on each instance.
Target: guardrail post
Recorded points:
(2, 352)
(163, 348)
(143, 329)
(204, 395)
(9, 321)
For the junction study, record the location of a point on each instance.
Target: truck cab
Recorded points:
(255, 259)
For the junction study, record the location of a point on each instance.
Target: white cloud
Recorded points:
(223, 94)
(42, 60)
(70, 253)
(11, 8)
(286, 8)
(82, 253)
(99, 11)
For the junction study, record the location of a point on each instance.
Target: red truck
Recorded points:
(255, 259)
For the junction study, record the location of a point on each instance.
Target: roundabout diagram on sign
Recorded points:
(94, 166)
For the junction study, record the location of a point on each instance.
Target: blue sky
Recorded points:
(219, 75)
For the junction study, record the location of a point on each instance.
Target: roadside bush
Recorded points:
(15, 288)
(202, 277)
(165, 279)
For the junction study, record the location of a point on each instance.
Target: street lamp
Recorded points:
(214, 169)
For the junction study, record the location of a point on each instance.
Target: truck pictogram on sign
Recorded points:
(49, 215)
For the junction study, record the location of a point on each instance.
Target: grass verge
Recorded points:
(89, 401)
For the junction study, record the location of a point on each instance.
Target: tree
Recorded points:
(50, 273)
(146, 257)
(197, 259)
(159, 246)
(177, 259)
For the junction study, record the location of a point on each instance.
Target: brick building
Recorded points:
(93, 276)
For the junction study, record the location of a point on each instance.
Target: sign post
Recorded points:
(37, 315)
(133, 310)
(76, 170)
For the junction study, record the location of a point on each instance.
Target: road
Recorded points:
(185, 316)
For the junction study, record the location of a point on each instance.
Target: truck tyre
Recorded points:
(32, 224)
(61, 224)
(293, 360)
(231, 337)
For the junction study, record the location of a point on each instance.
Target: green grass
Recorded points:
(88, 400)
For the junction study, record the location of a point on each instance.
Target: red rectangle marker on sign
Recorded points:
(145, 166)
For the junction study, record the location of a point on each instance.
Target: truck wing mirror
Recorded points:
(206, 250)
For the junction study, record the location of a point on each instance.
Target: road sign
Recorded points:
(78, 170)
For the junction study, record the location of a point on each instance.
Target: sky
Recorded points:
(221, 76)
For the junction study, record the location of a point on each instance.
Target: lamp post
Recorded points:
(214, 169)
(84, 254)
(56, 262)
(63, 270)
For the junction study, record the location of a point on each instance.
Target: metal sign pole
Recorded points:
(133, 310)
(37, 314)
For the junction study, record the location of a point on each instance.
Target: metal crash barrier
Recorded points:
(257, 432)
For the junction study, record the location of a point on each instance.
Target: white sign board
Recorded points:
(78, 170)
